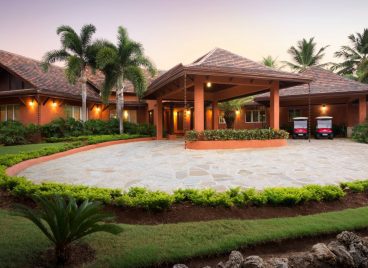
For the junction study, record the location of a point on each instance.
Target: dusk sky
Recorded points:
(181, 31)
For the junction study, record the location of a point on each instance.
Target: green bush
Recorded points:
(96, 127)
(356, 186)
(236, 134)
(360, 133)
(12, 133)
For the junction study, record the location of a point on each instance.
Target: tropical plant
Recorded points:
(78, 52)
(355, 57)
(230, 107)
(271, 62)
(122, 63)
(64, 222)
(304, 55)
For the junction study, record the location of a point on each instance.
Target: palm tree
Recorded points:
(121, 63)
(78, 52)
(355, 57)
(304, 55)
(230, 107)
(269, 61)
(64, 222)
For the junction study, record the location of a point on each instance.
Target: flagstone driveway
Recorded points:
(165, 165)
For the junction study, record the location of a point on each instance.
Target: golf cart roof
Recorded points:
(324, 117)
(300, 118)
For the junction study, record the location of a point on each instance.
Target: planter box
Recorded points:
(234, 144)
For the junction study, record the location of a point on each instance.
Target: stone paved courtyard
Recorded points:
(165, 165)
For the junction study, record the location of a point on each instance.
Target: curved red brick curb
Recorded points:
(14, 170)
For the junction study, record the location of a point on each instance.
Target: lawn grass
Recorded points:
(26, 148)
(141, 245)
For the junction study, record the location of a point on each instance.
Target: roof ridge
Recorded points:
(200, 60)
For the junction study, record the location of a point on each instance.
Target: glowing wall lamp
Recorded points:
(53, 103)
(324, 108)
(126, 114)
(98, 109)
(188, 111)
(208, 84)
(237, 112)
(31, 103)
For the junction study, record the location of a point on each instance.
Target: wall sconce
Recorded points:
(125, 114)
(31, 103)
(324, 108)
(188, 111)
(53, 103)
(98, 109)
(208, 84)
(237, 112)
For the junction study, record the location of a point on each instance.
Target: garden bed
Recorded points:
(235, 139)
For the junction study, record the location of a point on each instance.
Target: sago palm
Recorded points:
(77, 52)
(355, 57)
(269, 61)
(121, 63)
(64, 222)
(305, 54)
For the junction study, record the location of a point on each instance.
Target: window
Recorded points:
(73, 111)
(222, 119)
(255, 116)
(9, 112)
(128, 115)
(294, 113)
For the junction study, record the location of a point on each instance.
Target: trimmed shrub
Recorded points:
(96, 127)
(12, 133)
(360, 133)
(236, 134)
(355, 186)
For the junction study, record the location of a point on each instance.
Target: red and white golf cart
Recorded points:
(324, 127)
(300, 127)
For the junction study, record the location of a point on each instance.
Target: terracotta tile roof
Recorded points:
(222, 62)
(52, 81)
(324, 82)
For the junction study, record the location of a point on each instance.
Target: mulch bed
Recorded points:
(189, 213)
(268, 250)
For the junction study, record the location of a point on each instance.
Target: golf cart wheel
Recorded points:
(294, 136)
(331, 136)
(317, 136)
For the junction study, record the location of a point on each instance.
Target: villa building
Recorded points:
(30, 95)
(186, 96)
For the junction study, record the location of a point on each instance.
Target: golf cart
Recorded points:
(300, 127)
(324, 127)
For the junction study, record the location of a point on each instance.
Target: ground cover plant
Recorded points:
(149, 246)
(236, 134)
(64, 222)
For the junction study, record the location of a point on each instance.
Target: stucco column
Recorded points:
(275, 106)
(215, 115)
(158, 115)
(362, 108)
(198, 104)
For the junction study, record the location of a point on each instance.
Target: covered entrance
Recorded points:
(183, 93)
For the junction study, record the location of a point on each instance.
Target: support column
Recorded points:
(215, 115)
(171, 120)
(362, 109)
(158, 115)
(198, 104)
(275, 106)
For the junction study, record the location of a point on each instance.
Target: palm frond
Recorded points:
(86, 34)
(74, 68)
(136, 76)
(52, 57)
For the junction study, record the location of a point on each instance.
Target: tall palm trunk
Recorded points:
(84, 96)
(120, 107)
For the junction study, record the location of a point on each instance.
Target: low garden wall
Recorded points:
(235, 139)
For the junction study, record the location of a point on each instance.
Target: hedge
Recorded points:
(360, 133)
(236, 134)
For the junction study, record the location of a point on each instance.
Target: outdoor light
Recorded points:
(237, 112)
(324, 108)
(125, 114)
(209, 84)
(53, 103)
(98, 108)
(188, 112)
(31, 103)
